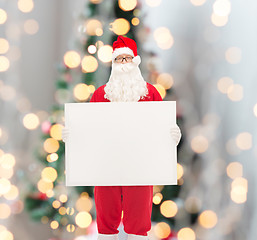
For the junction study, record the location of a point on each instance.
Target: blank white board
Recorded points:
(120, 143)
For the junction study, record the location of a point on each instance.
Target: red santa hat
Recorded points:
(125, 45)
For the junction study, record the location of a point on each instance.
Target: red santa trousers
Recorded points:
(136, 203)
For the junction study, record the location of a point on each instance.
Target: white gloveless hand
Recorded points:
(65, 134)
(175, 133)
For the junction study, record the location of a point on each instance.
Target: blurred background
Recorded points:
(201, 54)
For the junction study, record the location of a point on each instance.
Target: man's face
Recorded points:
(123, 58)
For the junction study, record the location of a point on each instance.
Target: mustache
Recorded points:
(124, 68)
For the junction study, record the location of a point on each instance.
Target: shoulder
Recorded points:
(150, 86)
(100, 89)
(153, 92)
(98, 95)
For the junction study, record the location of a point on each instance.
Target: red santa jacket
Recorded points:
(153, 94)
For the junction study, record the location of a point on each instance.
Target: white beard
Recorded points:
(125, 84)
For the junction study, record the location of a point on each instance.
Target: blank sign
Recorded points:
(120, 143)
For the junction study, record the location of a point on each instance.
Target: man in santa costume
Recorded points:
(125, 84)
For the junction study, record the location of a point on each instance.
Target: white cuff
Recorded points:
(107, 236)
(137, 237)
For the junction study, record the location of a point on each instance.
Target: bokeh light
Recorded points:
(199, 144)
(31, 26)
(239, 189)
(163, 37)
(180, 171)
(51, 145)
(7, 93)
(6, 235)
(244, 141)
(162, 230)
(84, 203)
(127, 5)
(153, 3)
(233, 55)
(70, 211)
(91, 88)
(255, 110)
(157, 198)
(31, 121)
(89, 64)
(56, 131)
(4, 63)
(3, 16)
(83, 219)
(169, 209)
(81, 92)
(52, 157)
(49, 174)
(5, 185)
(234, 170)
(222, 7)
(186, 234)
(197, 2)
(7, 160)
(208, 219)
(62, 211)
(5, 211)
(120, 26)
(94, 27)
(63, 198)
(70, 228)
(219, 21)
(224, 83)
(135, 21)
(72, 59)
(105, 53)
(44, 186)
(166, 80)
(235, 92)
(96, 1)
(56, 204)
(91, 49)
(12, 193)
(54, 224)
(4, 46)
(25, 5)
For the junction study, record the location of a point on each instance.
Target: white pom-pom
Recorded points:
(137, 60)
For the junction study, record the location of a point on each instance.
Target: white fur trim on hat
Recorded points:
(122, 50)
(137, 60)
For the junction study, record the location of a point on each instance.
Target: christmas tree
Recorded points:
(83, 70)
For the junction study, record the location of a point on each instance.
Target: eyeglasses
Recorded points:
(120, 59)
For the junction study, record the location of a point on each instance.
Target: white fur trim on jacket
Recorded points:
(137, 237)
(107, 236)
(122, 50)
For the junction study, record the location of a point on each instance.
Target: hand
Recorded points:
(175, 133)
(65, 134)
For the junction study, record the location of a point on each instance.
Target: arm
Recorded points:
(175, 130)
(93, 98)
(156, 95)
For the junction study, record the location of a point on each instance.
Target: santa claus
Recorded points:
(125, 84)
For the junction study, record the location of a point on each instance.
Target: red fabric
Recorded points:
(125, 42)
(135, 201)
